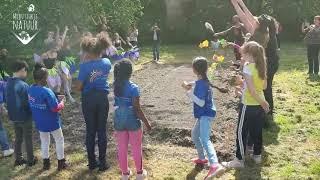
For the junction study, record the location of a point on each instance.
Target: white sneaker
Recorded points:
(249, 150)
(126, 177)
(142, 176)
(236, 163)
(8, 152)
(256, 158)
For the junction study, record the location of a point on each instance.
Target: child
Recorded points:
(127, 118)
(6, 150)
(93, 82)
(236, 32)
(204, 111)
(254, 105)
(117, 42)
(45, 111)
(19, 112)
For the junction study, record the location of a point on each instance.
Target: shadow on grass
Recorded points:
(252, 171)
(194, 172)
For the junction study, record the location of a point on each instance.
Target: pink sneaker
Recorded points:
(200, 161)
(215, 170)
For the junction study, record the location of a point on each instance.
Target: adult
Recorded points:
(133, 36)
(312, 40)
(278, 31)
(236, 34)
(92, 82)
(263, 31)
(156, 42)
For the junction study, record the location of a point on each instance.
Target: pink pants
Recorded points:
(123, 139)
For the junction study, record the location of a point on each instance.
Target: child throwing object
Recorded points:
(204, 111)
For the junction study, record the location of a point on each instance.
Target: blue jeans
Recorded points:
(3, 138)
(156, 50)
(201, 138)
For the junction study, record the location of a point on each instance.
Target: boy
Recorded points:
(6, 150)
(20, 113)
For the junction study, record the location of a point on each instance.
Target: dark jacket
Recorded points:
(17, 100)
(3, 86)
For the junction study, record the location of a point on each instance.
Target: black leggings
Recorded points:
(313, 58)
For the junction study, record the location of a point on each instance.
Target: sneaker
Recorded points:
(46, 164)
(33, 162)
(62, 164)
(236, 163)
(104, 167)
(256, 158)
(200, 161)
(20, 162)
(215, 170)
(142, 176)
(126, 176)
(7, 153)
(249, 150)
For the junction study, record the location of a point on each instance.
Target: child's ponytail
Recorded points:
(200, 65)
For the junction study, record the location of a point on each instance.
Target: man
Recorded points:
(156, 42)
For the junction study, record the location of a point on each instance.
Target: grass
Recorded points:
(291, 144)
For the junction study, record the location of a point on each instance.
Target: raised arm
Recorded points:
(248, 14)
(94, 22)
(223, 33)
(57, 34)
(64, 34)
(243, 17)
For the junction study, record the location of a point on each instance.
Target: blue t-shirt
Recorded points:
(94, 75)
(3, 86)
(42, 103)
(125, 118)
(203, 91)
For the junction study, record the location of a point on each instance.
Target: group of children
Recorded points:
(43, 104)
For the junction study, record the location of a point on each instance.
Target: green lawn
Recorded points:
(292, 144)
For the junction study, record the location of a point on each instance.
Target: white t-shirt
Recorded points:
(155, 37)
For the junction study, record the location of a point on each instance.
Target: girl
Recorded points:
(253, 106)
(263, 30)
(127, 118)
(92, 81)
(45, 111)
(204, 111)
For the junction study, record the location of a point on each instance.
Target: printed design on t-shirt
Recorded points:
(35, 105)
(94, 75)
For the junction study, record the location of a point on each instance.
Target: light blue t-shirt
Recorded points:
(94, 75)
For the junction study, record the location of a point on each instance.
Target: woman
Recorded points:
(312, 40)
(92, 82)
(263, 30)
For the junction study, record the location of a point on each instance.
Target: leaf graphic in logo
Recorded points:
(24, 37)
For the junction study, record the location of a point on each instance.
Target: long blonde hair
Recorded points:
(257, 52)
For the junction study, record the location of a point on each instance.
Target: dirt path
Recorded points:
(168, 108)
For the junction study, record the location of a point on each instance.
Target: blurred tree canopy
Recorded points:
(122, 13)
